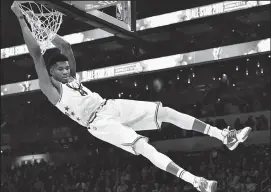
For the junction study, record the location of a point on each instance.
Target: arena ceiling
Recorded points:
(245, 25)
(10, 28)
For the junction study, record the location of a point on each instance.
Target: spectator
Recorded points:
(221, 187)
(257, 105)
(38, 186)
(237, 124)
(231, 189)
(250, 186)
(188, 187)
(250, 122)
(264, 122)
(122, 187)
(231, 108)
(259, 124)
(221, 123)
(144, 188)
(144, 173)
(107, 189)
(236, 183)
(209, 121)
(156, 188)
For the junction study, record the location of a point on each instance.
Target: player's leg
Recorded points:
(149, 115)
(231, 138)
(165, 163)
(107, 127)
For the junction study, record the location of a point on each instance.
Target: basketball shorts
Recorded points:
(118, 120)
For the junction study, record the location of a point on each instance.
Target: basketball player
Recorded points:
(116, 121)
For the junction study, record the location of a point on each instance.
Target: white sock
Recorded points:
(215, 132)
(188, 177)
(162, 161)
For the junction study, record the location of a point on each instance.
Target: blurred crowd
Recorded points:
(113, 170)
(107, 169)
(219, 102)
(257, 122)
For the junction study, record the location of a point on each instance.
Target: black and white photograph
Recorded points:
(135, 96)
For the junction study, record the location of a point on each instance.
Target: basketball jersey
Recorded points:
(78, 102)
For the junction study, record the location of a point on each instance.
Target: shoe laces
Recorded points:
(231, 133)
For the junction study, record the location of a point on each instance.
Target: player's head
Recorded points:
(59, 68)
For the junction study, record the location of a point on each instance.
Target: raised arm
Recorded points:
(66, 50)
(34, 49)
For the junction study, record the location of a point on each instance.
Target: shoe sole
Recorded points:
(214, 186)
(242, 139)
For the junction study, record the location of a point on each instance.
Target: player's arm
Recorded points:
(34, 49)
(66, 50)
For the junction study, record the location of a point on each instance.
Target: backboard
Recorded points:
(122, 18)
(98, 14)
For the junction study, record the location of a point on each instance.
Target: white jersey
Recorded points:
(78, 102)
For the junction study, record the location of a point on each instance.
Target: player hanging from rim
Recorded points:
(115, 121)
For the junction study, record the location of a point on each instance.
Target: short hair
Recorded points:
(56, 58)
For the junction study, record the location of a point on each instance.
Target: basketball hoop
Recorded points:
(44, 22)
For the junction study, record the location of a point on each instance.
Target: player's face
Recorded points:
(61, 71)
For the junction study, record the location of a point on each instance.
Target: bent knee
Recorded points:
(164, 114)
(142, 147)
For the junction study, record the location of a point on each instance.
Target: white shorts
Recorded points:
(117, 121)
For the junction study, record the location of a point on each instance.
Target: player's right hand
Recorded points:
(16, 9)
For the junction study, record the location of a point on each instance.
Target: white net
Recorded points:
(44, 22)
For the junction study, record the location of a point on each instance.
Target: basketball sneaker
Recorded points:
(233, 137)
(204, 185)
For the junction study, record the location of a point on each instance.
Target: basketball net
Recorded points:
(44, 22)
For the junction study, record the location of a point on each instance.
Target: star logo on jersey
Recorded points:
(78, 119)
(67, 114)
(67, 108)
(72, 113)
